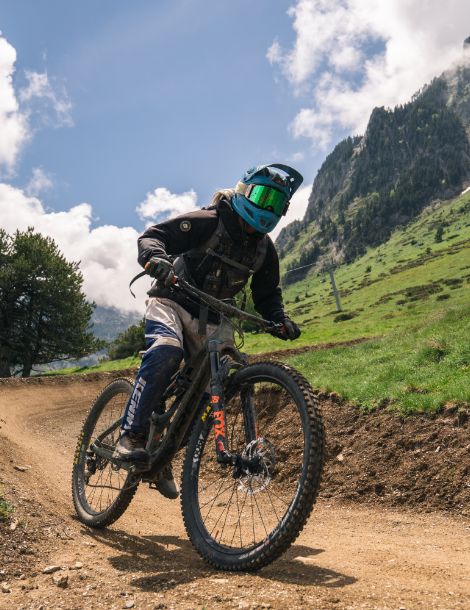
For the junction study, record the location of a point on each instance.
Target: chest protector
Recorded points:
(220, 266)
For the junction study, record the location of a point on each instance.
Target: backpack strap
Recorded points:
(230, 261)
(261, 252)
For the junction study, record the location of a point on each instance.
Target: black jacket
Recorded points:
(178, 235)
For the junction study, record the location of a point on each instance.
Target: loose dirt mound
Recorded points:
(418, 461)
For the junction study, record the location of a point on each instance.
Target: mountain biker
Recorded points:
(219, 249)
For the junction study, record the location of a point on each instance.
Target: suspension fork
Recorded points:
(249, 415)
(217, 404)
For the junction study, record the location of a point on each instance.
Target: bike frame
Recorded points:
(210, 366)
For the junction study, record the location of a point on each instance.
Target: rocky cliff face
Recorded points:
(368, 185)
(458, 93)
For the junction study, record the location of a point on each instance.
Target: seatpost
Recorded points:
(217, 403)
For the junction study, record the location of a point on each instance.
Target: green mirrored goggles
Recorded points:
(267, 198)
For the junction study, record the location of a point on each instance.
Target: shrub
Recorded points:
(439, 233)
(342, 317)
(5, 508)
(435, 351)
(128, 343)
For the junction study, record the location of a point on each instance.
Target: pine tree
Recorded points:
(129, 342)
(44, 314)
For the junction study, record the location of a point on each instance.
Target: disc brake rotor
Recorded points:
(261, 451)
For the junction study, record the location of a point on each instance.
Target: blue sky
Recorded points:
(173, 94)
(117, 114)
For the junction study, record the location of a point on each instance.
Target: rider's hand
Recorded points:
(161, 269)
(288, 330)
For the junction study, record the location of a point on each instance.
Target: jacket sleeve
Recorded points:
(177, 235)
(267, 295)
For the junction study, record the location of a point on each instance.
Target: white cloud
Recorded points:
(352, 55)
(13, 124)
(40, 88)
(297, 157)
(107, 254)
(16, 111)
(274, 53)
(39, 182)
(161, 204)
(297, 208)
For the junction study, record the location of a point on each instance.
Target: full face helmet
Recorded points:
(263, 195)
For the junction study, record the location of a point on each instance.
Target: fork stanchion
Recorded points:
(217, 403)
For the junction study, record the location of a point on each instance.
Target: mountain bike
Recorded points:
(254, 449)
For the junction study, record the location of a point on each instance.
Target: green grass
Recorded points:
(103, 367)
(420, 369)
(5, 508)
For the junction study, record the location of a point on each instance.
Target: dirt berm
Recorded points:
(390, 529)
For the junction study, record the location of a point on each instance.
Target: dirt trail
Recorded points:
(348, 556)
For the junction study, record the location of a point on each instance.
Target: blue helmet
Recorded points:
(263, 195)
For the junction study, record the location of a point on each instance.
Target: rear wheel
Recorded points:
(102, 491)
(243, 521)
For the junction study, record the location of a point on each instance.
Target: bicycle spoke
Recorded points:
(279, 498)
(238, 526)
(222, 513)
(105, 485)
(207, 486)
(272, 504)
(214, 499)
(261, 516)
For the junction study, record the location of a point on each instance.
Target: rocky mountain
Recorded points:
(409, 155)
(108, 322)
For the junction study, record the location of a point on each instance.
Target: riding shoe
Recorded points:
(165, 483)
(131, 447)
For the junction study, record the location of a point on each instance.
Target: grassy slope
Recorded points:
(435, 274)
(413, 292)
(416, 294)
(418, 369)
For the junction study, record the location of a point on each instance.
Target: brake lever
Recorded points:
(275, 329)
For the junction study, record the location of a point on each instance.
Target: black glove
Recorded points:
(161, 269)
(288, 330)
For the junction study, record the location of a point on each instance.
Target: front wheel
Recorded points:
(244, 521)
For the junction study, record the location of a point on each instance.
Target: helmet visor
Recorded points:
(267, 198)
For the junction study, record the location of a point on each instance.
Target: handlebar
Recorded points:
(216, 304)
(223, 307)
